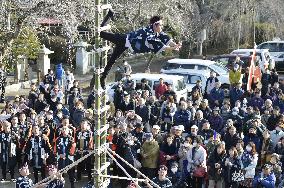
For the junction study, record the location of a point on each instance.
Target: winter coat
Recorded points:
(143, 112)
(267, 147)
(151, 150)
(279, 149)
(280, 103)
(199, 158)
(206, 112)
(59, 71)
(249, 164)
(170, 150)
(235, 77)
(91, 99)
(182, 117)
(117, 99)
(272, 122)
(238, 122)
(253, 138)
(230, 169)
(225, 114)
(235, 94)
(256, 102)
(40, 106)
(182, 155)
(231, 141)
(198, 123)
(68, 81)
(77, 117)
(206, 134)
(160, 90)
(214, 173)
(127, 106)
(216, 122)
(275, 136)
(264, 181)
(216, 95)
(210, 84)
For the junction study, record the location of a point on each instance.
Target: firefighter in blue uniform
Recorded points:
(58, 182)
(145, 40)
(37, 149)
(8, 145)
(84, 143)
(65, 149)
(23, 181)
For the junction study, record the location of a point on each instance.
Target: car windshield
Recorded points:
(273, 47)
(218, 68)
(169, 66)
(181, 85)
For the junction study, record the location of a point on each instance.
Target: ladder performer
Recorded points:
(147, 39)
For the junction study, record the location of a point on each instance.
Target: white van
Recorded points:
(197, 66)
(275, 47)
(191, 78)
(177, 82)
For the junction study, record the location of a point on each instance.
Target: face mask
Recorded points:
(194, 144)
(174, 169)
(130, 142)
(248, 148)
(186, 145)
(49, 116)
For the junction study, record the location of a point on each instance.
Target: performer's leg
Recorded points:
(109, 15)
(71, 173)
(117, 51)
(89, 167)
(4, 171)
(116, 38)
(35, 174)
(42, 171)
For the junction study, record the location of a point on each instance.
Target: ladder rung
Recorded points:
(99, 71)
(105, 128)
(103, 49)
(107, 27)
(104, 167)
(104, 109)
(103, 7)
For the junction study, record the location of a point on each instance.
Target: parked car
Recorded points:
(275, 47)
(197, 66)
(229, 59)
(177, 82)
(190, 79)
(279, 62)
(262, 54)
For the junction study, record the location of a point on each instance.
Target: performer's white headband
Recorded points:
(158, 22)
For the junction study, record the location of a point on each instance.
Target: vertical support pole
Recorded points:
(104, 119)
(97, 179)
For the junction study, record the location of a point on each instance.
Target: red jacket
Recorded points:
(160, 90)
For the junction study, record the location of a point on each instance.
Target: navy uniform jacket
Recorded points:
(24, 182)
(56, 184)
(144, 40)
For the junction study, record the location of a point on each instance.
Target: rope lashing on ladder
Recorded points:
(109, 151)
(123, 169)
